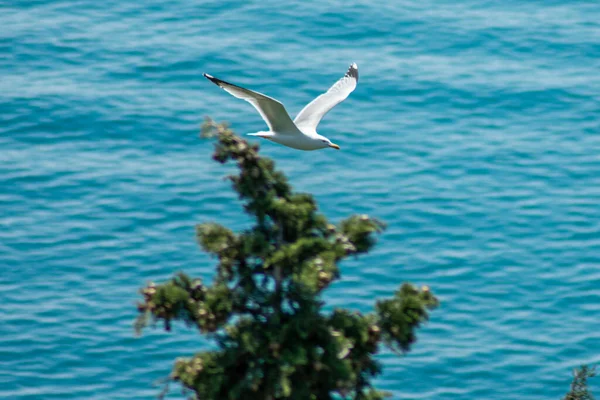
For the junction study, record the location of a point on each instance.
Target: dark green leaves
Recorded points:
(360, 232)
(403, 313)
(263, 307)
(579, 386)
(188, 300)
(215, 238)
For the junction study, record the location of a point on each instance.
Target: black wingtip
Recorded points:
(352, 71)
(216, 81)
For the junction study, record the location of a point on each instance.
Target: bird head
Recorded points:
(327, 143)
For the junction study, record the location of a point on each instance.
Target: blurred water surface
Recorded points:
(473, 132)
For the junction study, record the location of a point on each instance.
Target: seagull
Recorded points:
(301, 133)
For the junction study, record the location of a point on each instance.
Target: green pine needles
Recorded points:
(264, 308)
(579, 386)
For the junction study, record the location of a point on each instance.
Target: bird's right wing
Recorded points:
(311, 115)
(271, 110)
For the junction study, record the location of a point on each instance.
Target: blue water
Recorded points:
(474, 133)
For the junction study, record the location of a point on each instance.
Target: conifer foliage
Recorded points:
(264, 308)
(579, 386)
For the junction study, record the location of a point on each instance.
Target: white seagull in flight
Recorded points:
(301, 133)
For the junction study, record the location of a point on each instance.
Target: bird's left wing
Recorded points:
(311, 115)
(271, 110)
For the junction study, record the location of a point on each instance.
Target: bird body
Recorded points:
(300, 133)
(297, 139)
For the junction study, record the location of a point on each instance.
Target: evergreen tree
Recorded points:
(264, 307)
(579, 386)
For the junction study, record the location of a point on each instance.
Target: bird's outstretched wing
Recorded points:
(311, 115)
(271, 110)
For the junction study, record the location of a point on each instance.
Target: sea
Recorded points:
(473, 133)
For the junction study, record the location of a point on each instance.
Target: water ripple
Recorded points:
(473, 134)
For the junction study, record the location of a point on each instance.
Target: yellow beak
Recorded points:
(335, 146)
